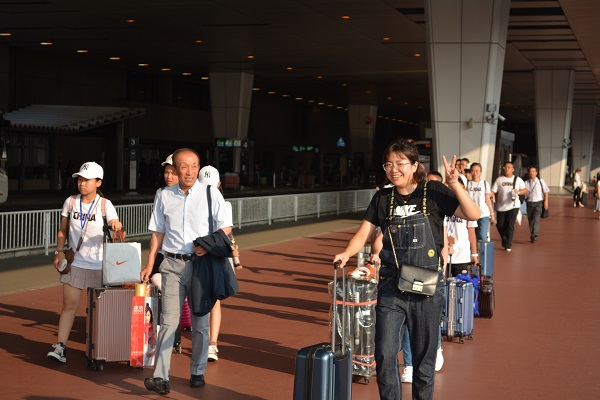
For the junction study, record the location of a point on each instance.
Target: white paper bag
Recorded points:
(122, 263)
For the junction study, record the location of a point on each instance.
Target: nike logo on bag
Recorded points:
(120, 262)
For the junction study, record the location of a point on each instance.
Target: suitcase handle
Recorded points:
(336, 266)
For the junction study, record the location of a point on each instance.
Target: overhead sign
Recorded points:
(341, 142)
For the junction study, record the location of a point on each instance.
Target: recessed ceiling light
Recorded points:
(417, 54)
(198, 41)
(130, 21)
(83, 51)
(321, 103)
(344, 84)
(289, 68)
(114, 58)
(330, 105)
(204, 78)
(46, 43)
(368, 92)
(165, 69)
(5, 34)
(186, 73)
(405, 103)
(256, 89)
(389, 97)
(319, 77)
(385, 39)
(285, 95)
(272, 92)
(250, 57)
(143, 65)
(345, 17)
(339, 107)
(310, 101)
(299, 98)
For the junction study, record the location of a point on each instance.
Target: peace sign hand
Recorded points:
(451, 171)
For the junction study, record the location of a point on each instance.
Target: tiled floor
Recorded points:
(541, 344)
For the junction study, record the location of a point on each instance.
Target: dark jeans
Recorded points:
(534, 213)
(422, 316)
(506, 226)
(577, 196)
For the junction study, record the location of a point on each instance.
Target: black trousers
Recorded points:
(506, 226)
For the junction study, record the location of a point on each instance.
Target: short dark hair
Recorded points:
(408, 150)
(436, 173)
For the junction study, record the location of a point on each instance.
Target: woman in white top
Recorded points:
(480, 192)
(82, 220)
(577, 186)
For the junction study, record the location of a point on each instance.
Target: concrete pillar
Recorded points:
(466, 42)
(583, 125)
(362, 120)
(554, 106)
(6, 83)
(230, 100)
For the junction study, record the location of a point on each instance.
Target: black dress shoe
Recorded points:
(197, 381)
(158, 385)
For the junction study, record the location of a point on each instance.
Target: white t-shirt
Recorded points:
(503, 188)
(89, 255)
(458, 229)
(478, 192)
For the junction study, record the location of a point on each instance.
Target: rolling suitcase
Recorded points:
(108, 325)
(460, 310)
(359, 335)
(324, 370)
(486, 301)
(486, 257)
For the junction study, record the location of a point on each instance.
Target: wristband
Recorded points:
(474, 255)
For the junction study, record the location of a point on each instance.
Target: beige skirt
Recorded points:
(82, 278)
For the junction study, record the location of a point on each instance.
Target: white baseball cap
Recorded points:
(90, 170)
(209, 175)
(168, 161)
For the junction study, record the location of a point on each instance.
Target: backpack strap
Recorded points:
(71, 204)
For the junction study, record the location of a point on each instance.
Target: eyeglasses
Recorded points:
(388, 166)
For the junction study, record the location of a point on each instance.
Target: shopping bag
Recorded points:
(144, 328)
(121, 263)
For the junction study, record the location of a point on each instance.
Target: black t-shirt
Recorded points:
(441, 202)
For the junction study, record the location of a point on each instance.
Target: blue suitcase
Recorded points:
(460, 310)
(486, 257)
(324, 370)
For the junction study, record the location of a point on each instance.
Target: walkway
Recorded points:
(541, 344)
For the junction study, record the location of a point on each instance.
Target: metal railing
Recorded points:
(35, 231)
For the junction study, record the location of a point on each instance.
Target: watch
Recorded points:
(58, 251)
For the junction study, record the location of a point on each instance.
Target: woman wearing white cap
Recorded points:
(82, 221)
(209, 175)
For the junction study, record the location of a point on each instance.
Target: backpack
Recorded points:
(521, 196)
(106, 228)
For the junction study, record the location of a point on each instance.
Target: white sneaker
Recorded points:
(212, 353)
(407, 375)
(439, 360)
(59, 353)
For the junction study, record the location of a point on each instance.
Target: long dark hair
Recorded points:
(409, 150)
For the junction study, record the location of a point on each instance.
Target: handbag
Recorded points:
(545, 213)
(121, 262)
(415, 279)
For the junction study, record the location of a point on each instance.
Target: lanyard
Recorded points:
(83, 221)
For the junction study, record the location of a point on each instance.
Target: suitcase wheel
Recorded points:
(98, 366)
(357, 378)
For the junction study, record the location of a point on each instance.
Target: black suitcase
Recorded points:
(324, 370)
(486, 300)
